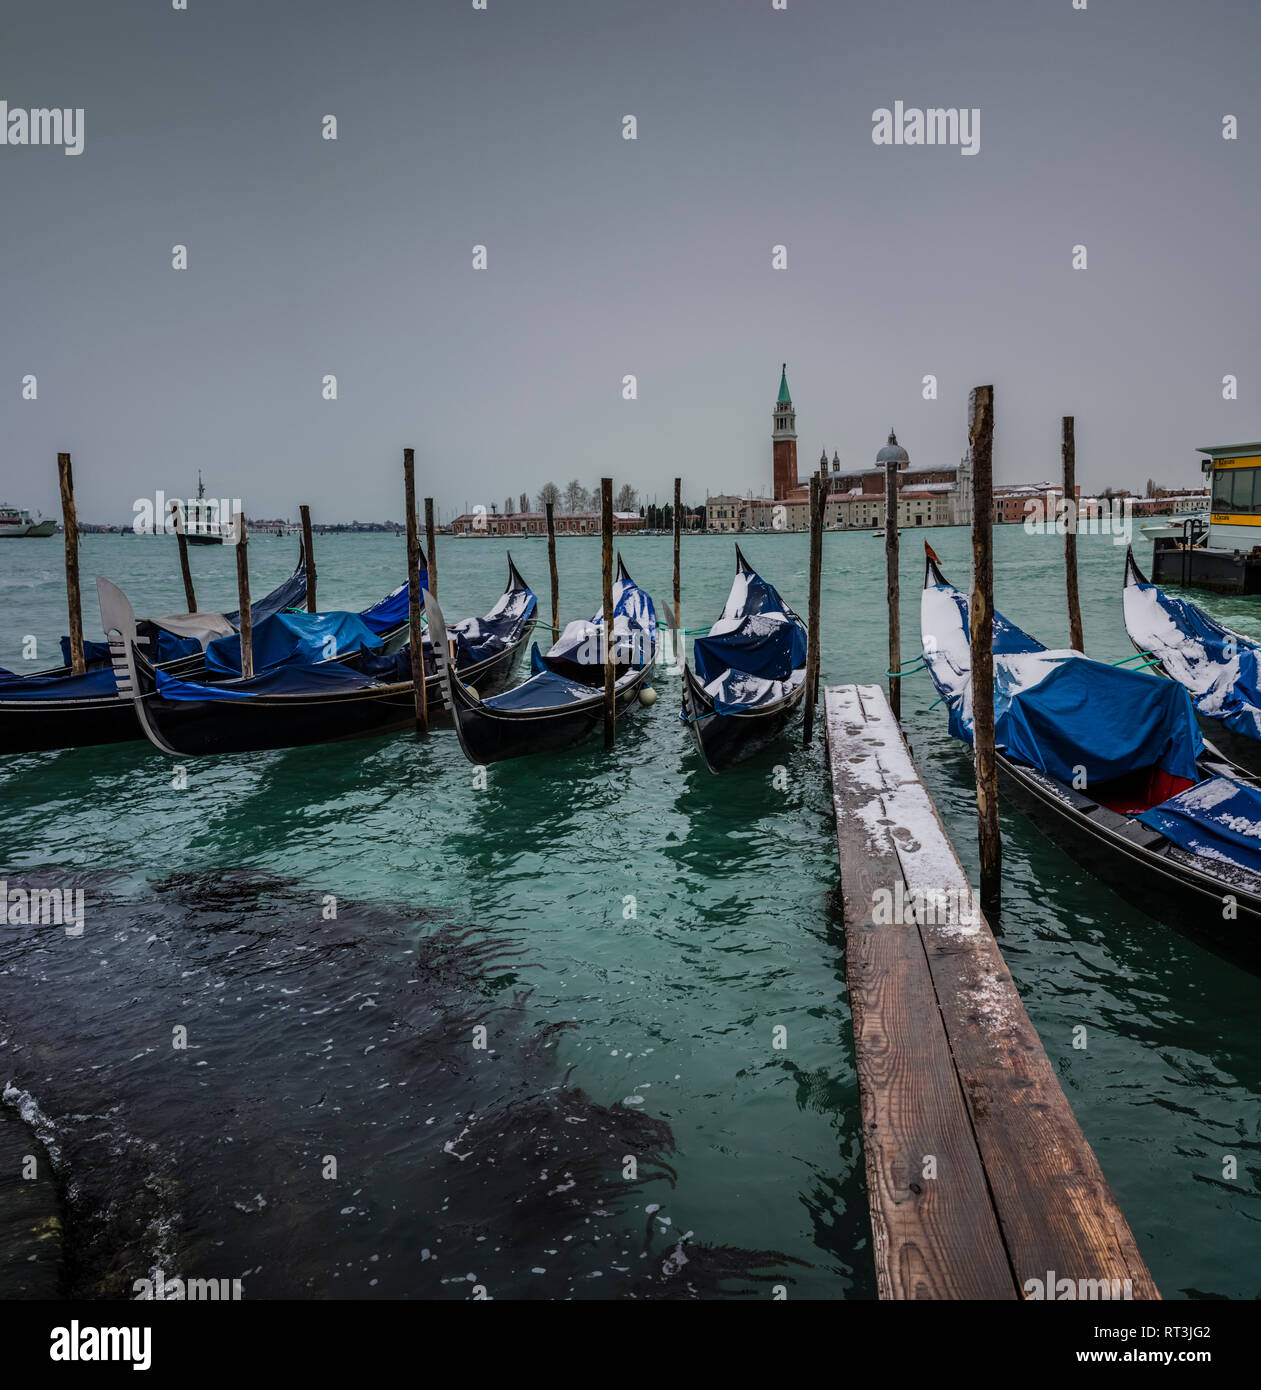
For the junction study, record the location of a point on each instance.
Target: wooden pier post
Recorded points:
(431, 548)
(181, 541)
(413, 592)
(675, 652)
(892, 585)
(1069, 451)
(70, 523)
(551, 568)
(606, 560)
(245, 622)
(308, 556)
(981, 618)
(812, 622)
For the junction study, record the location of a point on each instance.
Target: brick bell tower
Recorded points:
(784, 441)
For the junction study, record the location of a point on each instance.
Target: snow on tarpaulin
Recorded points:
(476, 639)
(1220, 819)
(754, 650)
(479, 638)
(294, 639)
(634, 631)
(1219, 667)
(326, 678)
(1059, 711)
(99, 682)
(948, 654)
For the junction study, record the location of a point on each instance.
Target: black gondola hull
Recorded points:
(726, 739)
(493, 736)
(37, 726)
(1112, 847)
(192, 728)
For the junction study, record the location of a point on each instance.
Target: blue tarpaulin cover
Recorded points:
(544, 690)
(1220, 668)
(291, 594)
(1219, 819)
(476, 639)
(299, 639)
(99, 682)
(94, 653)
(390, 612)
(323, 679)
(634, 642)
(752, 650)
(1060, 711)
(1085, 718)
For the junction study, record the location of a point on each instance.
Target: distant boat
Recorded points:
(1176, 527)
(14, 523)
(203, 525)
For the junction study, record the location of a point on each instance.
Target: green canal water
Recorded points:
(665, 923)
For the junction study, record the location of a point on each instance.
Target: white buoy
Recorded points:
(647, 696)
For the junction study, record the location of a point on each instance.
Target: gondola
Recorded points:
(750, 672)
(1220, 668)
(57, 709)
(290, 706)
(1111, 764)
(563, 699)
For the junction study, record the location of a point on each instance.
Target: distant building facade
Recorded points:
(854, 499)
(535, 523)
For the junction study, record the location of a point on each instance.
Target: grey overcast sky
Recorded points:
(609, 257)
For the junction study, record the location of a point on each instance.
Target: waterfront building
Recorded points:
(484, 523)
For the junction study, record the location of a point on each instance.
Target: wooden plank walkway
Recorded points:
(953, 1078)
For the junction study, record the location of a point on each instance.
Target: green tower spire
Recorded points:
(783, 385)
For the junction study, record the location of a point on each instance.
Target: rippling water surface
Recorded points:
(630, 931)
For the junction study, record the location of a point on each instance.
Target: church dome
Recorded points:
(893, 452)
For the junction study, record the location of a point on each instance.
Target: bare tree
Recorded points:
(525, 502)
(575, 497)
(549, 492)
(627, 499)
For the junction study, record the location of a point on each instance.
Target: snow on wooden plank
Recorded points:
(1053, 1206)
(933, 1226)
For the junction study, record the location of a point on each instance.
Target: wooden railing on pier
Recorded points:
(979, 1177)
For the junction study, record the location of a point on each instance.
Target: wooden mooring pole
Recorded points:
(413, 592)
(675, 651)
(892, 586)
(606, 560)
(551, 569)
(308, 556)
(245, 621)
(431, 548)
(70, 523)
(181, 541)
(981, 618)
(812, 621)
(1069, 451)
